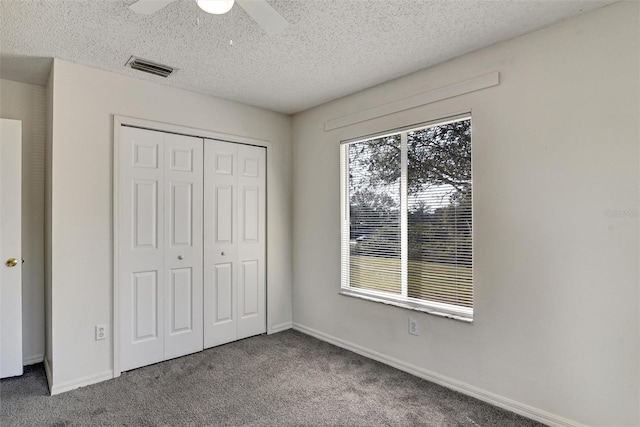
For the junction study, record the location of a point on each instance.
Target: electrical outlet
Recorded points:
(101, 332)
(413, 327)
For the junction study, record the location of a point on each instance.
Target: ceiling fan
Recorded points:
(261, 12)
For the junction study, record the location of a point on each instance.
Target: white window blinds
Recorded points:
(407, 218)
(374, 212)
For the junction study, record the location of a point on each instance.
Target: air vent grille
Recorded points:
(150, 67)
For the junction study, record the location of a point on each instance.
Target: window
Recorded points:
(406, 216)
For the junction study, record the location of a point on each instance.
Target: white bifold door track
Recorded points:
(191, 244)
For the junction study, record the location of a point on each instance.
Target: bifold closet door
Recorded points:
(234, 242)
(160, 246)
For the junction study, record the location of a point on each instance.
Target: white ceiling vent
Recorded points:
(150, 67)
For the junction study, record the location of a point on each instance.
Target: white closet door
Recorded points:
(182, 245)
(141, 247)
(220, 229)
(10, 248)
(160, 246)
(234, 242)
(251, 241)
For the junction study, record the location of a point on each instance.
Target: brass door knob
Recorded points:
(12, 262)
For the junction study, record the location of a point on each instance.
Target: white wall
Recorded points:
(84, 100)
(555, 146)
(26, 102)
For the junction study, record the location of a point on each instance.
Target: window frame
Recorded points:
(432, 307)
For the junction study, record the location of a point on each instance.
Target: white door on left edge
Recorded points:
(160, 246)
(10, 248)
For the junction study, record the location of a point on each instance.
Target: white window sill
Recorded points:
(433, 309)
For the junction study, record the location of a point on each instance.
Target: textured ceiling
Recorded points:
(332, 47)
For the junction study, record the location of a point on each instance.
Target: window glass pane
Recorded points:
(374, 213)
(439, 214)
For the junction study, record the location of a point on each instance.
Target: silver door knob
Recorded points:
(180, 257)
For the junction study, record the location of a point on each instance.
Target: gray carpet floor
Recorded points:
(285, 379)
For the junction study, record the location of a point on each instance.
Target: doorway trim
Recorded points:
(120, 120)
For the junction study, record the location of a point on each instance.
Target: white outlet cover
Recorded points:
(101, 332)
(413, 327)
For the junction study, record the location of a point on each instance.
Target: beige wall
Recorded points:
(26, 102)
(555, 148)
(84, 102)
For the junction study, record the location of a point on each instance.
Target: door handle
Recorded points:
(12, 262)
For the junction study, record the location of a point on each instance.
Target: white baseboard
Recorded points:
(48, 373)
(486, 396)
(279, 328)
(31, 360)
(80, 382)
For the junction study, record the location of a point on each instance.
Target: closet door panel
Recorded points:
(249, 289)
(223, 293)
(183, 175)
(223, 215)
(252, 243)
(181, 300)
(145, 213)
(140, 251)
(145, 306)
(220, 231)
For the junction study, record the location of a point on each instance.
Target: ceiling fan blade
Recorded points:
(266, 16)
(147, 7)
